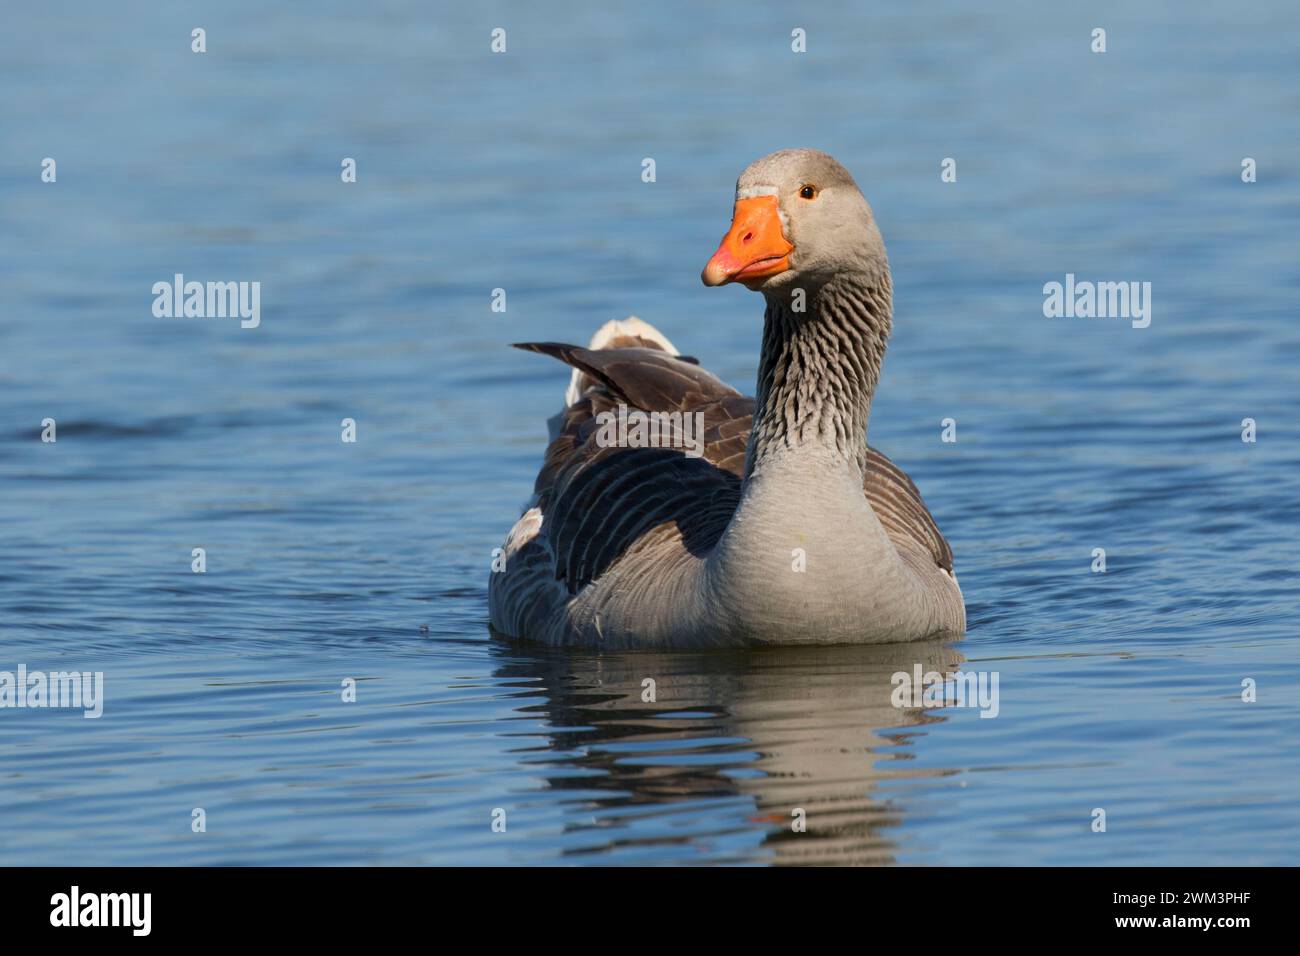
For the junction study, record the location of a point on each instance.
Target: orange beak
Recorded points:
(754, 248)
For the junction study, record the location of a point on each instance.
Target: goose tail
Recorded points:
(618, 333)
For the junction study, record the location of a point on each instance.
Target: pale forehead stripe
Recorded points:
(752, 192)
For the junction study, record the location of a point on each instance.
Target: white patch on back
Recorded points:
(526, 528)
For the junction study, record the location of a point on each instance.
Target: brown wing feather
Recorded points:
(599, 502)
(897, 503)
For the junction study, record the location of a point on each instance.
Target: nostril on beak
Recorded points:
(747, 237)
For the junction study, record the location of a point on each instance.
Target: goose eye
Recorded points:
(808, 192)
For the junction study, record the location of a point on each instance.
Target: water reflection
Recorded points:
(740, 738)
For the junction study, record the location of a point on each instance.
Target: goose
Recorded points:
(782, 526)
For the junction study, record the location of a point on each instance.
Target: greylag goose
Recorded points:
(775, 524)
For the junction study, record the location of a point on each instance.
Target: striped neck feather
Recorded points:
(818, 370)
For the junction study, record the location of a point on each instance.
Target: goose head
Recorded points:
(799, 221)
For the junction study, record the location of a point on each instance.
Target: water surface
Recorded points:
(369, 561)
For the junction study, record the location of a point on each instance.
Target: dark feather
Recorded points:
(601, 502)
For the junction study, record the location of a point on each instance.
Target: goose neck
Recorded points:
(818, 372)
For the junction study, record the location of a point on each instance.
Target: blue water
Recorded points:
(328, 561)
